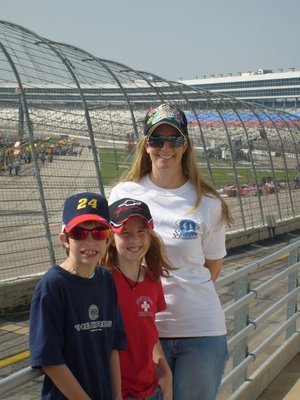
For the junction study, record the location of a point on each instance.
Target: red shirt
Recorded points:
(138, 308)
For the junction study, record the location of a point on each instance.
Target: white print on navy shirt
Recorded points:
(145, 304)
(93, 312)
(93, 325)
(187, 229)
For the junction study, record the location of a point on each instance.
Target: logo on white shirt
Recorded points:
(187, 229)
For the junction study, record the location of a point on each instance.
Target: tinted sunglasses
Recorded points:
(159, 141)
(99, 233)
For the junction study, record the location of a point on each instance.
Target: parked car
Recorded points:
(266, 188)
(247, 190)
(242, 190)
(230, 190)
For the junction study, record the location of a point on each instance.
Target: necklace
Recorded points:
(128, 281)
(74, 272)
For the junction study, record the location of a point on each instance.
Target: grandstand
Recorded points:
(279, 90)
(273, 89)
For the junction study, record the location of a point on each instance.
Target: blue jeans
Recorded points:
(156, 395)
(197, 365)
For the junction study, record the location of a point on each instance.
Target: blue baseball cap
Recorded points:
(83, 207)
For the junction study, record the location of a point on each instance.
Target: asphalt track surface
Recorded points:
(14, 354)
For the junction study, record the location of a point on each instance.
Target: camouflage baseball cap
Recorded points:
(165, 114)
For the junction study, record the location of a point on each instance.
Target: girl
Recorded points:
(136, 260)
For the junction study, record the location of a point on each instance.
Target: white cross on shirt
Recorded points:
(145, 306)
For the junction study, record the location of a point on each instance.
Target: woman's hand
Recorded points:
(214, 267)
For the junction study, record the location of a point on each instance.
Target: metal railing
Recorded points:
(261, 316)
(261, 308)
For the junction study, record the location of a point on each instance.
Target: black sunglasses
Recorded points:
(159, 141)
(99, 233)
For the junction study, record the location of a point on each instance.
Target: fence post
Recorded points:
(241, 317)
(292, 284)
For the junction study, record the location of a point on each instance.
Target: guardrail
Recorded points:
(262, 319)
(260, 304)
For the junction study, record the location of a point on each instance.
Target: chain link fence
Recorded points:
(69, 122)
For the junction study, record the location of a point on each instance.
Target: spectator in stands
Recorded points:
(76, 327)
(42, 157)
(10, 168)
(17, 166)
(27, 157)
(190, 217)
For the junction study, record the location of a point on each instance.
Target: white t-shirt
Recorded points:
(193, 306)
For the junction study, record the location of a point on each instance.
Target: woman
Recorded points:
(190, 217)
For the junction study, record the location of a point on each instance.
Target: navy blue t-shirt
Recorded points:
(77, 322)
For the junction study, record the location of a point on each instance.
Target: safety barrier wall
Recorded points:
(262, 316)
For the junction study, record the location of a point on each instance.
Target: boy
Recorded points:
(76, 327)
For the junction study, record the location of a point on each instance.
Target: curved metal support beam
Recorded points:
(35, 159)
(70, 68)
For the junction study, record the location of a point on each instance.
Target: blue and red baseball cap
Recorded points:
(83, 207)
(123, 209)
(165, 113)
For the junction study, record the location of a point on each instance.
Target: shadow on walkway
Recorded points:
(286, 386)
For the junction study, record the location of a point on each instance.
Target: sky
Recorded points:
(175, 39)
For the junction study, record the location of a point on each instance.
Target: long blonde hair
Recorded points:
(156, 261)
(142, 165)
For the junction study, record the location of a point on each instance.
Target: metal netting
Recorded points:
(69, 122)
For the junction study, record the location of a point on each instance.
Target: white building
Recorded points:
(274, 89)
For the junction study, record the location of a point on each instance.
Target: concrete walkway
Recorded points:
(286, 386)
